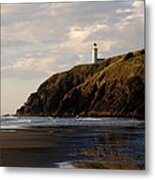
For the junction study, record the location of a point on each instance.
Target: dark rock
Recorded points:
(113, 88)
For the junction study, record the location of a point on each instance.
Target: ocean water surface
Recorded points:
(23, 122)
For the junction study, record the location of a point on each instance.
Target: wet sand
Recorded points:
(81, 147)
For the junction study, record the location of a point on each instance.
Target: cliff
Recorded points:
(113, 88)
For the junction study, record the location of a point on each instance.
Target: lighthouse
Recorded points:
(94, 53)
(95, 59)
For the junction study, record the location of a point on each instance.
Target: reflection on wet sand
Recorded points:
(82, 146)
(116, 149)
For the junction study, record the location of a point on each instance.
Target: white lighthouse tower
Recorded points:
(94, 54)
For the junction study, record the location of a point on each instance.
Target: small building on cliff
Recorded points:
(95, 59)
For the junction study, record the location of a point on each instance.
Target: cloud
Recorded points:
(32, 67)
(10, 9)
(25, 68)
(27, 31)
(78, 42)
(122, 11)
(138, 3)
(81, 33)
(45, 38)
(133, 17)
(56, 9)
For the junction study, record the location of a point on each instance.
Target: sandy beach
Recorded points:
(33, 147)
(77, 147)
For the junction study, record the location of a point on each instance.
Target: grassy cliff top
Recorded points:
(113, 88)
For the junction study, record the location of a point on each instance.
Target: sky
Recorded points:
(41, 39)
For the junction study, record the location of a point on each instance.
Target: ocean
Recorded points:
(102, 143)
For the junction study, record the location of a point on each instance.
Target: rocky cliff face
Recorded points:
(113, 88)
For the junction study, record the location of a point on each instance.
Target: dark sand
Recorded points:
(82, 147)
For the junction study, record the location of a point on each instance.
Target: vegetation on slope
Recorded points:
(113, 88)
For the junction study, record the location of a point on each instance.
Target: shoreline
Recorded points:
(92, 116)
